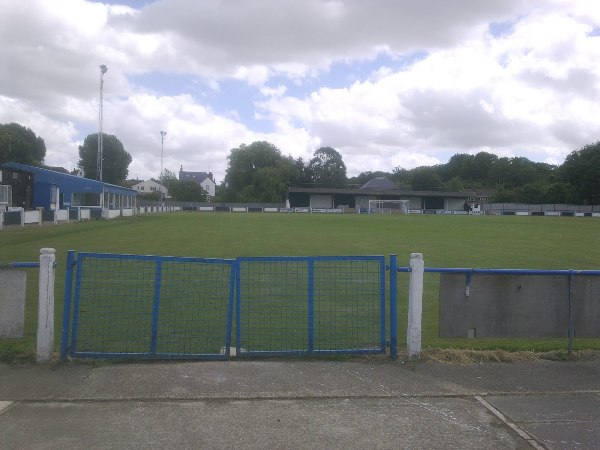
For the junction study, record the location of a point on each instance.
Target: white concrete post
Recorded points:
(415, 305)
(45, 332)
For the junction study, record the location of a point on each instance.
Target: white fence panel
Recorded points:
(33, 217)
(62, 215)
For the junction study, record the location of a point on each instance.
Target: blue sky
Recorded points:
(395, 83)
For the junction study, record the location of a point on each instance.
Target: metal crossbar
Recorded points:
(22, 265)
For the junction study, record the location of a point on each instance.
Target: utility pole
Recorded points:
(103, 70)
(162, 153)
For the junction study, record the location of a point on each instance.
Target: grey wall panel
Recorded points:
(586, 306)
(504, 306)
(12, 302)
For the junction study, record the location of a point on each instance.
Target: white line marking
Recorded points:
(4, 405)
(512, 425)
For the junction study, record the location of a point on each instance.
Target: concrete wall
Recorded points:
(518, 306)
(455, 203)
(12, 302)
(586, 306)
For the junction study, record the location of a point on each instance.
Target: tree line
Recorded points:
(261, 173)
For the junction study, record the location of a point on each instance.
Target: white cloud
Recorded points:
(533, 90)
(253, 75)
(59, 136)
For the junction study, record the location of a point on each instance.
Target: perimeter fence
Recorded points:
(162, 307)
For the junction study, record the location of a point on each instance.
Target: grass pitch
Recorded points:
(444, 241)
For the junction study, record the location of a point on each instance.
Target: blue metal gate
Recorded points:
(147, 307)
(155, 307)
(310, 305)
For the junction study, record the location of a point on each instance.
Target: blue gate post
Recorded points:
(64, 340)
(393, 308)
(238, 306)
(571, 329)
(232, 285)
(311, 304)
(156, 304)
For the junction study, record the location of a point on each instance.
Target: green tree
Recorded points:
(560, 192)
(20, 144)
(402, 177)
(115, 159)
(460, 165)
(258, 173)
(483, 163)
(327, 168)
(246, 160)
(168, 178)
(455, 184)
(187, 191)
(153, 196)
(426, 179)
(270, 185)
(582, 170)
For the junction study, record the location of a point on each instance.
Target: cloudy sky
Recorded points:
(388, 83)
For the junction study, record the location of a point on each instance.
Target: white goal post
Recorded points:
(388, 206)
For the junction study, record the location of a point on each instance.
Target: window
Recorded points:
(5, 195)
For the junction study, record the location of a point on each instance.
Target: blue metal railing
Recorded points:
(23, 265)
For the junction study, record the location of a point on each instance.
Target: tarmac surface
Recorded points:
(363, 403)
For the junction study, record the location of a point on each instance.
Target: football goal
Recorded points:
(388, 206)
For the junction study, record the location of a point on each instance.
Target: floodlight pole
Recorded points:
(162, 149)
(103, 70)
(162, 153)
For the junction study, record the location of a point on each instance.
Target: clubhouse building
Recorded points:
(30, 187)
(380, 188)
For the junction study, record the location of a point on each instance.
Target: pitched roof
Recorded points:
(196, 177)
(379, 183)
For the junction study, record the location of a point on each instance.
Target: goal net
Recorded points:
(388, 206)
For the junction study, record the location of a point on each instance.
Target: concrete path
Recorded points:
(370, 403)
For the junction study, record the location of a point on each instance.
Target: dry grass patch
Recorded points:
(464, 357)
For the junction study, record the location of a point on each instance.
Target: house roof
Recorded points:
(379, 183)
(196, 177)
